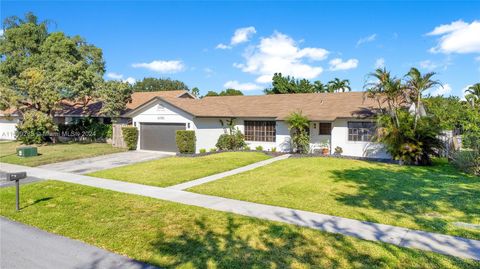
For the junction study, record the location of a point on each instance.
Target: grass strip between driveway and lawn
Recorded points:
(425, 198)
(172, 235)
(175, 170)
(53, 153)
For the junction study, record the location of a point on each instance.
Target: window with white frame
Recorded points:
(360, 131)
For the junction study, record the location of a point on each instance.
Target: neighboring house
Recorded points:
(70, 113)
(336, 120)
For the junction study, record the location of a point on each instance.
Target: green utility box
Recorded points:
(27, 151)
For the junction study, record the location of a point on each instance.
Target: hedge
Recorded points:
(130, 136)
(185, 141)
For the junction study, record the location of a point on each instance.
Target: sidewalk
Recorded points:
(24, 246)
(444, 244)
(200, 181)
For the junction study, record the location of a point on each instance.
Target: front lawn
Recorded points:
(175, 170)
(53, 153)
(171, 235)
(424, 198)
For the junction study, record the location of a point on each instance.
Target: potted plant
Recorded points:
(325, 146)
(338, 151)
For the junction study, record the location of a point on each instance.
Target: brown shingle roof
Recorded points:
(316, 106)
(139, 98)
(94, 108)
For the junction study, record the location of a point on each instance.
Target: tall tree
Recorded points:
(288, 84)
(227, 92)
(38, 68)
(472, 94)
(211, 93)
(196, 91)
(114, 96)
(339, 85)
(159, 84)
(230, 92)
(417, 84)
(407, 138)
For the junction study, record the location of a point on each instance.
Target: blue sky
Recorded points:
(214, 45)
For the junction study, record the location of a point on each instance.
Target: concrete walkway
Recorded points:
(203, 180)
(88, 165)
(444, 244)
(24, 246)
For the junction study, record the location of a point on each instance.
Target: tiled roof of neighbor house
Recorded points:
(94, 108)
(316, 106)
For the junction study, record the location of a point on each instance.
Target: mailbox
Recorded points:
(16, 176)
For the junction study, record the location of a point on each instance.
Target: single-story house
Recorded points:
(342, 120)
(70, 113)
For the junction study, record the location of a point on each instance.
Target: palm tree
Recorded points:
(417, 84)
(386, 89)
(472, 94)
(320, 87)
(338, 85)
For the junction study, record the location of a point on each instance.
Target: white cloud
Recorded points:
(162, 66)
(114, 75)
(380, 63)
(446, 89)
(428, 65)
(1, 32)
(339, 64)
(242, 35)
(457, 37)
(463, 93)
(279, 53)
(209, 72)
(223, 46)
(130, 80)
(366, 39)
(241, 86)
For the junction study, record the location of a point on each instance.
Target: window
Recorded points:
(324, 128)
(360, 131)
(260, 131)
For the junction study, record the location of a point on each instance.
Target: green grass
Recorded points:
(175, 170)
(52, 153)
(171, 235)
(425, 198)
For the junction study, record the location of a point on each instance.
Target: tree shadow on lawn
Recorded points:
(425, 194)
(279, 246)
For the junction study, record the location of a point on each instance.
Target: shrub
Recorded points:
(89, 129)
(408, 140)
(247, 148)
(338, 150)
(185, 141)
(35, 128)
(467, 161)
(259, 148)
(109, 133)
(203, 151)
(130, 136)
(213, 149)
(274, 149)
(233, 141)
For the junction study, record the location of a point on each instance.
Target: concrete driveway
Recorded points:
(88, 165)
(23, 246)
